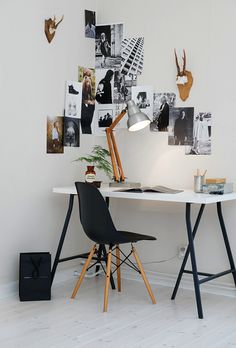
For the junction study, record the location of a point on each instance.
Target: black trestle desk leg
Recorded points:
(63, 234)
(226, 240)
(105, 253)
(193, 261)
(187, 253)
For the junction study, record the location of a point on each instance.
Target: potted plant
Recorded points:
(99, 158)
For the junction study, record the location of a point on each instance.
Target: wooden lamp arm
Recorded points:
(115, 157)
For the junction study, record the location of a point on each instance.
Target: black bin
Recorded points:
(35, 276)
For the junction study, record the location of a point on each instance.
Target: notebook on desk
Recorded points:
(157, 189)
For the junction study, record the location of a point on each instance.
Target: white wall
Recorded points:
(32, 80)
(206, 30)
(32, 85)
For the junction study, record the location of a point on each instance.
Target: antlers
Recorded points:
(50, 27)
(180, 73)
(56, 25)
(184, 78)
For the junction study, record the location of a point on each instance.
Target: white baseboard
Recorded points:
(169, 280)
(12, 289)
(214, 287)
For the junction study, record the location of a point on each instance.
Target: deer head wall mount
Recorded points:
(50, 27)
(184, 78)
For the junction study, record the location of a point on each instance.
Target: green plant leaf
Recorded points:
(100, 158)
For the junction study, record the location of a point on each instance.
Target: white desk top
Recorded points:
(187, 196)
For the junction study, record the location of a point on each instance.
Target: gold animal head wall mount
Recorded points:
(50, 27)
(184, 78)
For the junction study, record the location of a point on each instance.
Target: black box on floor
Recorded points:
(35, 276)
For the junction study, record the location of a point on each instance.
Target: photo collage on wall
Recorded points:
(101, 93)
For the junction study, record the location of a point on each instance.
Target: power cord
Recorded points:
(160, 261)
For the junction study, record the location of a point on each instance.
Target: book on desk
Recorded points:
(154, 189)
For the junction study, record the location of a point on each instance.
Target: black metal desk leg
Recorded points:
(105, 253)
(187, 253)
(226, 240)
(193, 260)
(63, 234)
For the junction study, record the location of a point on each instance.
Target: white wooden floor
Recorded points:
(132, 320)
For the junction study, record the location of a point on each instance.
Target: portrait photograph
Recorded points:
(201, 135)
(71, 132)
(180, 130)
(90, 24)
(88, 80)
(122, 87)
(55, 134)
(162, 102)
(143, 98)
(73, 98)
(108, 46)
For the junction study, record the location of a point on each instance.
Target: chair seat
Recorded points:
(131, 237)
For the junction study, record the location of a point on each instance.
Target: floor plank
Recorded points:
(132, 320)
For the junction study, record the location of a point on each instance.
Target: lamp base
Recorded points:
(124, 184)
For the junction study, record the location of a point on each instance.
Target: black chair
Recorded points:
(98, 226)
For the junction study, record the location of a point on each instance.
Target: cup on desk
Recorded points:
(198, 182)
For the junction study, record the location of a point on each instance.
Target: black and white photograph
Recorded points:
(132, 56)
(180, 130)
(104, 118)
(87, 78)
(122, 87)
(201, 135)
(90, 24)
(143, 98)
(162, 102)
(108, 46)
(73, 99)
(123, 122)
(71, 132)
(105, 86)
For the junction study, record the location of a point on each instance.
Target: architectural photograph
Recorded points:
(118, 193)
(132, 56)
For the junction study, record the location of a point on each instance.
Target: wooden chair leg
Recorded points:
(108, 274)
(143, 275)
(83, 271)
(118, 268)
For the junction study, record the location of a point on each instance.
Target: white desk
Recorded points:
(188, 197)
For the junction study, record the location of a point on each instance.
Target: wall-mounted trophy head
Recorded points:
(50, 27)
(184, 79)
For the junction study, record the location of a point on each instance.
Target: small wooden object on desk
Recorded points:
(215, 180)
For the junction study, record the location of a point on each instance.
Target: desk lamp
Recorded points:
(136, 121)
